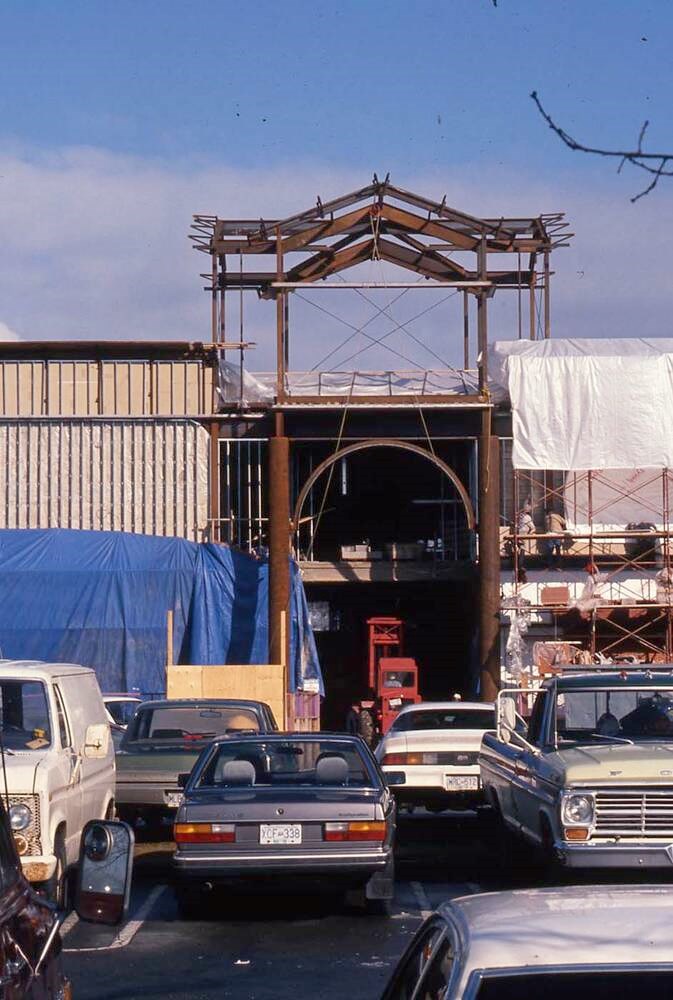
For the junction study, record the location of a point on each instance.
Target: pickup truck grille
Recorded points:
(635, 812)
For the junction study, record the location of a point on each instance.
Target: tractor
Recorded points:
(393, 680)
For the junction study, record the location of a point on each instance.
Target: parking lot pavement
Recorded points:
(262, 948)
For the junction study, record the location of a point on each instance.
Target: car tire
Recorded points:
(56, 888)
(366, 727)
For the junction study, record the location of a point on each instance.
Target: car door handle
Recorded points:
(520, 770)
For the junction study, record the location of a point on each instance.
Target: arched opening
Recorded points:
(410, 510)
(342, 453)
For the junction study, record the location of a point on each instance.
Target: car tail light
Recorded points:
(410, 758)
(375, 830)
(204, 833)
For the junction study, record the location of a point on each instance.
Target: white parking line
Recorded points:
(421, 899)
(131, 928)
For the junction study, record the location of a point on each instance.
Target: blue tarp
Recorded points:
(100, 598)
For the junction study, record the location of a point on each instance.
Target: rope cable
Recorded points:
(330, 474)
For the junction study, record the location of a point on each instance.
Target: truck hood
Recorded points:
(153, 764)
(22, 769)
(641, 763)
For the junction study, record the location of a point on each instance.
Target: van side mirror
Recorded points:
(104, 876)
(97, 740)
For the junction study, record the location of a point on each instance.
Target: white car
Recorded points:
(121, 708)
(59, 763)
(431, 753)
(579, 943)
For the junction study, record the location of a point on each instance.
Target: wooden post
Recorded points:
(169, 638)
(279, 541)
(489, 561)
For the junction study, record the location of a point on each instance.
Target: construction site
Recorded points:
(392, 490)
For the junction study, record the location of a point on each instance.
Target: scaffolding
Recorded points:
(606, 585)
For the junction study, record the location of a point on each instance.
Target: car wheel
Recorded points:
(56, 887)
(366, 727)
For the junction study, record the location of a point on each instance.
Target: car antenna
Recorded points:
(4, 765)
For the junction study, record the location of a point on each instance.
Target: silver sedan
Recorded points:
(281, 812)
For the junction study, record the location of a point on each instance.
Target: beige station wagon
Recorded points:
(589, 777)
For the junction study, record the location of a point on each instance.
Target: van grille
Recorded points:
(635, 812)
(32, 832)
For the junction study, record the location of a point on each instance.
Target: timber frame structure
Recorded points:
(442, 248)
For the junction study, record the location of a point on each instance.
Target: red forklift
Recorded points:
(392, 681)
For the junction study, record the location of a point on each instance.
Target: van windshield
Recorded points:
(24, 715)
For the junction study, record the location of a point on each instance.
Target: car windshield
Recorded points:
(398, 678)
(192, 723)
(602, 716)
(121, 711)
(318, 763)
(24, 715)
(445, 718)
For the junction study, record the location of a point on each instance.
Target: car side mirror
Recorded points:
(395, 778)
(97, 740)
(183, 778)
(507, 719)
(104, 875)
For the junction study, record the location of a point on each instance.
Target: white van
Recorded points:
(58, 763)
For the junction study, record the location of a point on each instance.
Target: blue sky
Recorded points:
(117, 120)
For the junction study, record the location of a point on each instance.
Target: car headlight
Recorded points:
(20, 816)
(578, 809)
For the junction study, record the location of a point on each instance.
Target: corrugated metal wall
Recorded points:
(105, 388)
(149, 476)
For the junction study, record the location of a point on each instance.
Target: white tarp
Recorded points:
(587, 404)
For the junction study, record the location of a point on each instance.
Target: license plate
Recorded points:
(280, 833)
(173, 799)
(461, 782)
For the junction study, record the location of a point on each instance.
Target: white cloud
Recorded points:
(95, 246)
(7, 334)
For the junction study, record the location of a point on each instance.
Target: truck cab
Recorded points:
(587, 777)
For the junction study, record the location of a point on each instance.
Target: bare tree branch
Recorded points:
(657, 164)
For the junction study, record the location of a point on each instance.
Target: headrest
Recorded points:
(237, 772)
(332, 770)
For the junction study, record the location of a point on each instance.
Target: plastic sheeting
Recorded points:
(587, 404)
(261, 387)
(101, 598)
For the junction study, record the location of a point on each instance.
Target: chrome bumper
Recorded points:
(310, 863)
(614, 855)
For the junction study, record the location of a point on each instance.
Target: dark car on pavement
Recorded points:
(284, 812)
(163, 740)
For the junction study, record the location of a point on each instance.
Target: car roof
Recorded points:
(203, 703)
(38, 667)
(568, 924)
(445, 705)
(599, 679)
(287, 737)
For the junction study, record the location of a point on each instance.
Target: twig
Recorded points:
(656, 164)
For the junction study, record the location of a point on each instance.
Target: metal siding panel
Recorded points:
(96, 475)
